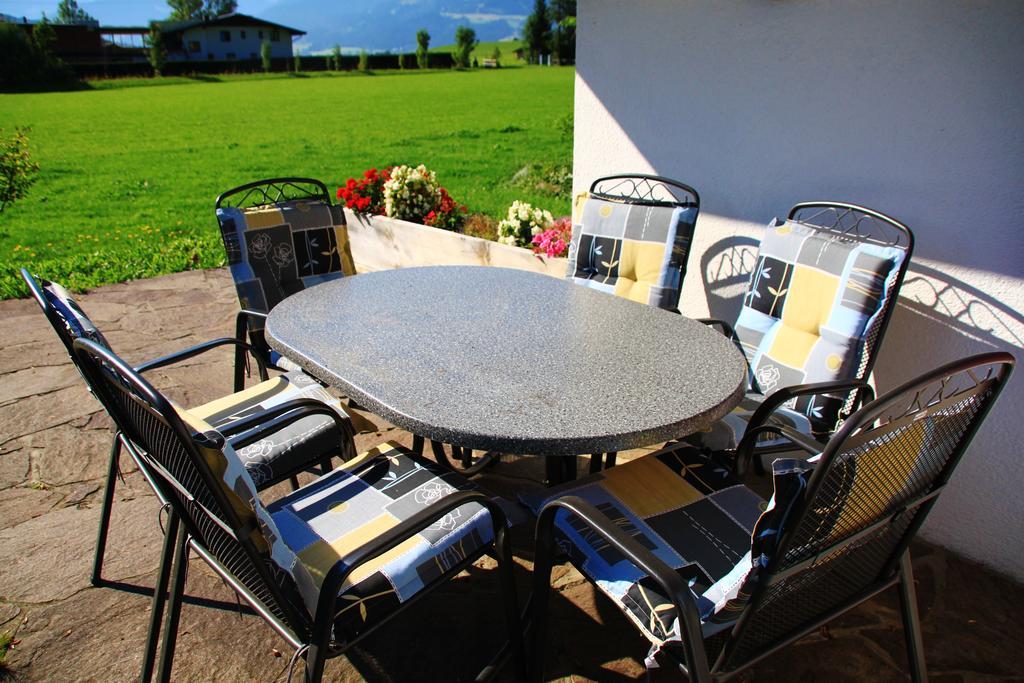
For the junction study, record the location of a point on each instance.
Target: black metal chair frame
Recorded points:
(844, 221)
(261, 423)
(646, 190)
(120, 387)
(796, 557)
(268, 192)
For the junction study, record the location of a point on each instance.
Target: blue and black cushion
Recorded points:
(277, 250)
(690, 513)
(631, 249)
(274, 457)
(370, 494)
(812, 300)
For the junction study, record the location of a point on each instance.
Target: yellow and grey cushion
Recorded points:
(689, 512)
(277, 250)
(325, 520)
(301, 444)
(812, 300)
(633, 250)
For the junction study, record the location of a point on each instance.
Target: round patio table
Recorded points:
(510, 361)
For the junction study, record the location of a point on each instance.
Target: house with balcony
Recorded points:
(228, 37)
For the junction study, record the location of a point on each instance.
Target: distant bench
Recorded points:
(489, 63)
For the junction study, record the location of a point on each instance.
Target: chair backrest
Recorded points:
(819, 299)
(66, 317)
(631, 237)
(193, 468)
(838, 528)
(281, 236)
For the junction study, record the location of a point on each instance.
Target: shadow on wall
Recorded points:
(932, 304)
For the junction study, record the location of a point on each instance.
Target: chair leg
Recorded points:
(163, 674)
(294, 482)
(911, 621)
(513, 622)
(595, 462)
(609, 459)
(314, 664)
(105, 510)
(159, 597)
(543, 556)
(417, 444)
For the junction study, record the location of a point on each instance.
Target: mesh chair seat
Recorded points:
(278, 455)
(327, 519)
(691, 513)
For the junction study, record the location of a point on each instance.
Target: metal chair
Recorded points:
(304, 563)
(836, 532)
(281, 235)
(631, 237)
(271, 455)
(816, 308)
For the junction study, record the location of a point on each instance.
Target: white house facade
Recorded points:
(912, 108)
(226, 38)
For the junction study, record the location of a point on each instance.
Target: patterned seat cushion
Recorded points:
(343, 510)
(302, 443)
(276, 250)
(637, 251)
(689, 512)
(812, 300)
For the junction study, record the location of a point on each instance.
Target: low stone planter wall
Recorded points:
(381, 243)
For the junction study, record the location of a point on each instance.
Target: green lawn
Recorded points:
(129, 175)
(484, 51)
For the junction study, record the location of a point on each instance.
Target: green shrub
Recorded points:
(465, 41)
(17, 170)
(364, 61)
(110, 263)
(265, 55)
(422, 48)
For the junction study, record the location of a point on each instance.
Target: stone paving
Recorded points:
(54, 443)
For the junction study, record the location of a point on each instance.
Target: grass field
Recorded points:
(484, 51)
(129, 175)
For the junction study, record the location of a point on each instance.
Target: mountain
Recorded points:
(379, 25)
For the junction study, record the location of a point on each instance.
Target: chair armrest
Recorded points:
(193, 351)
(798, 439)
(758, 422)
(242, 319)
(394, 536)
(274, 419)
(673, 584)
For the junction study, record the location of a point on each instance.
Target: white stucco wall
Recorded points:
(914, 108)
(210, 42)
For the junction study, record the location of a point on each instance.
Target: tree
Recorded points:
(17, 170)
(401, 61)
(157, 52)
(298, 62)
(68, 12)
(422, 47)
(182, 10)
(465, 41)
(28, 60)
(336, 58)
(364, 61)
(265, 54)
(563, 44)
(496, 56)
(537, 31)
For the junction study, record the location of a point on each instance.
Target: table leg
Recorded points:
(559, 469)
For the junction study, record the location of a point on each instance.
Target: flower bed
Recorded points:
(401, 216)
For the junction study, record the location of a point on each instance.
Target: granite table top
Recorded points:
(509, 360)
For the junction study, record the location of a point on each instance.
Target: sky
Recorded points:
(114, 12)
(376, 25)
